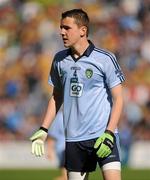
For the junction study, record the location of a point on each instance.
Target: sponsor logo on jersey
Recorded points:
(76, 89)
(89, 73)
(75, 68)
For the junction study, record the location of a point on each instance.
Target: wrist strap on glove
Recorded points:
(107, 141)
(44, 129)
(110, 132)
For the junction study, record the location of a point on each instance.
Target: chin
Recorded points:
(66, 45)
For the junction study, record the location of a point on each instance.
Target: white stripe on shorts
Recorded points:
(112, 165)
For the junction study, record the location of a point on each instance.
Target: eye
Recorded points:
(65, 27)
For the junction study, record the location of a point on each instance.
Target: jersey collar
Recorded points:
(87, 52)
(90, 48)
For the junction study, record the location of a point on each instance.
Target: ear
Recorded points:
(83, 31)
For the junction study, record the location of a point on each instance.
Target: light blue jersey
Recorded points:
(86, 83)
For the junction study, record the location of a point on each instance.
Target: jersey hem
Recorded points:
(82, 139)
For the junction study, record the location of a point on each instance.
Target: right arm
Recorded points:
(57, 96)
(39, 137)
(53, 106)
(50, 113)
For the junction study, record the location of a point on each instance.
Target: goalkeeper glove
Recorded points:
(38, 139)
(104, 144)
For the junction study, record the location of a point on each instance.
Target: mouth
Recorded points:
(65, 39)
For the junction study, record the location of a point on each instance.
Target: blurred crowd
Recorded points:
(29, 38)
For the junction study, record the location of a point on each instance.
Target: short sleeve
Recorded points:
(54, 78)
(112, 71)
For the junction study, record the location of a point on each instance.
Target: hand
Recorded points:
(104, 144)
(38, 139)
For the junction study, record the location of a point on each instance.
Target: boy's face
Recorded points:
(71, 33)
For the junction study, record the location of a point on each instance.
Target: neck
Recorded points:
(80, 48)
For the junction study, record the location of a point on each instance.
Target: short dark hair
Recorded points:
(80, 16)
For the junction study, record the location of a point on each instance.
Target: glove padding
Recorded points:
(104, 144)
(38, 139)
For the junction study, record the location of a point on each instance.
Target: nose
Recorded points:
(62, 31)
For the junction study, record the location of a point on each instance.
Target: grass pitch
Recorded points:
(49, 174)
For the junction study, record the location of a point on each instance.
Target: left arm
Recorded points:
(117, 95)
(105, 143)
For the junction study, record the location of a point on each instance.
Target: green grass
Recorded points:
(127, 174)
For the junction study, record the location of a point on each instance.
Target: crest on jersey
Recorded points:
(89, 73)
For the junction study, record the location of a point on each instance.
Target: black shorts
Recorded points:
(81, 156)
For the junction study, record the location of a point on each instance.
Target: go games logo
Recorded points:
(76, 89)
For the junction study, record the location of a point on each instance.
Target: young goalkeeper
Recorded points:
(87, 80)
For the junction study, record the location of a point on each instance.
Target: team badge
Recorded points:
(89, 73)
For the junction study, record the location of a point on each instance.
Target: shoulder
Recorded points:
(61, 55)
(107, 58)
(104, 53)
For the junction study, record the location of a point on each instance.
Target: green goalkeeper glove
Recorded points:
(104, 144)
(38, 139)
